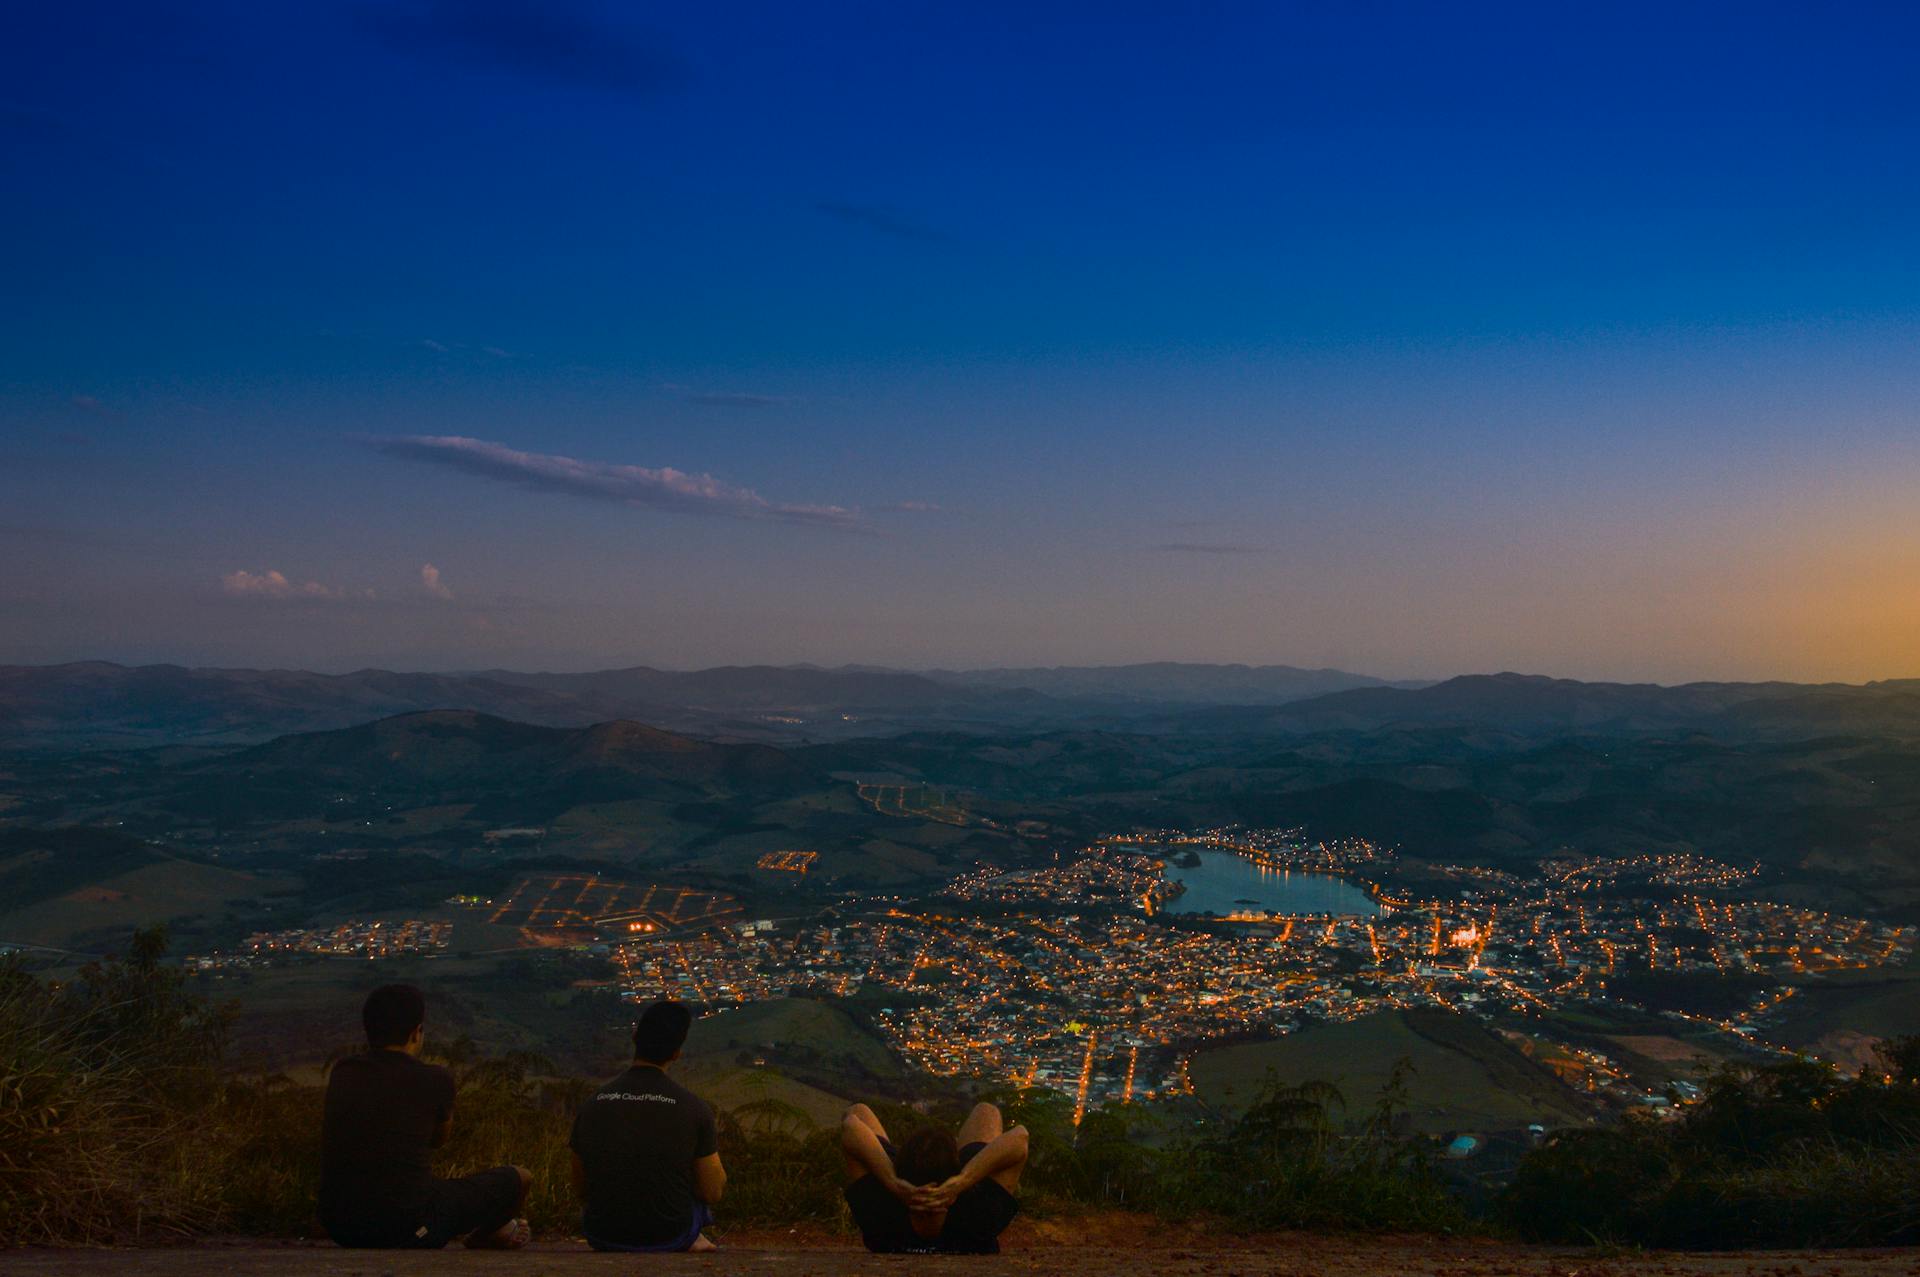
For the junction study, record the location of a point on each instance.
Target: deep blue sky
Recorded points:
(1410, 338)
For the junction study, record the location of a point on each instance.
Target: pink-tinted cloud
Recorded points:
(431, 583)
(661, 489)
(272, 584)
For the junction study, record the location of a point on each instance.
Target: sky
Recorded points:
(1409, 339)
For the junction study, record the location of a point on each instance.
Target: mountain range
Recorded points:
(98, 704)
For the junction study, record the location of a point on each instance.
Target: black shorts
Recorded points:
(973, 1225)
(967, 1151)
(480, 1202)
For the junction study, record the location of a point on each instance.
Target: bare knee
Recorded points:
(983, 1125)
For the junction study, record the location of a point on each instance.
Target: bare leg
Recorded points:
(983, 1126)
(701, 1245)
(867, 1118)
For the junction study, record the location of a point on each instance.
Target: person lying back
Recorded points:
(939, 1192)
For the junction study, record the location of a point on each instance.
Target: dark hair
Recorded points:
(392, 1013)
(928, 1156)
(661, 1032)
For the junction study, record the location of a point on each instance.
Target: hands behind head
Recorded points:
(936, 1197)
(927, 1197)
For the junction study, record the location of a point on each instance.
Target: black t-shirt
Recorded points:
(638, 1139)
(377, 1139)
(972, 1227)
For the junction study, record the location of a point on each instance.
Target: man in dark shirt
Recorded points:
(385, 1112)
(938, 1193)
(645, 1153)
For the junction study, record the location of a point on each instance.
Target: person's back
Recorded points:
(386, 1111)
(383, 1109)
(645, 1149)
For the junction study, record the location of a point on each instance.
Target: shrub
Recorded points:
(1790, 1154)
(103, 1088)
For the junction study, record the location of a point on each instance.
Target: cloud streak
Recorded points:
(272, 584)
(885, 220)
(1202, 547)
(431, 583)
(560, 42)
(737, 399)
(676, 491)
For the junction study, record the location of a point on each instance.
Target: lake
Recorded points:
(1223, 883)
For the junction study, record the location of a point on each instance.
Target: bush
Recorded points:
(103, 1088)
(1791, 1154)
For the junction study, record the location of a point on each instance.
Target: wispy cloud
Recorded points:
(90, 404)
(729, 398)
(432, 585)
(272, 584)
(661, 489)
(884, 219)
(565, 42)
(912, 507)
(737, 399)
(1204, 547)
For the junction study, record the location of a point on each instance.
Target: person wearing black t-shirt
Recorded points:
(385, 1113)
(646, 1157)
(938, 1193)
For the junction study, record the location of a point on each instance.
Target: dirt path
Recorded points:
(1039, 1249)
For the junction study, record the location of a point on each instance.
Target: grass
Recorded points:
(119, 1124)
(1463, 1075)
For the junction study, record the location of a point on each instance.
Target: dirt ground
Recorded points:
(1080, 1248)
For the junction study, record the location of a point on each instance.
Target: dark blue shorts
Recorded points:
(702, 1216)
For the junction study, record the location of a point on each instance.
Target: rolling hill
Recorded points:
(1464, 1076)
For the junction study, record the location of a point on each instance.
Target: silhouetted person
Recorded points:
(386, 1111)
(646, 1157)
(937, 1193)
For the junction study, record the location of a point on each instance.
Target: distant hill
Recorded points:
(1536, 704)
(1171, 681)
(1464, 1075)
(96, 703)
(455, 756)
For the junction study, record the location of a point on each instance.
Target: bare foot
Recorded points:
(701, 1245)
(511, 1235)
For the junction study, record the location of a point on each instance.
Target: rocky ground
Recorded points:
(1080, 1248)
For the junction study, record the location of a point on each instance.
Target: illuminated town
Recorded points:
(370, 940)
(1087, 975)
(1076, 977)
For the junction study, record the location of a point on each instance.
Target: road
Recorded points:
(1048, 1248)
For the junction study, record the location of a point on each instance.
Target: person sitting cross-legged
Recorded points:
(938, 1193)
(385, 1113)
(646, 1156)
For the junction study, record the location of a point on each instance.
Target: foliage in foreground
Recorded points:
(1789, 1154)
(101, 1089)
(117, 1124)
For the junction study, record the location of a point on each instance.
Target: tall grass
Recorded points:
(103, 1089)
